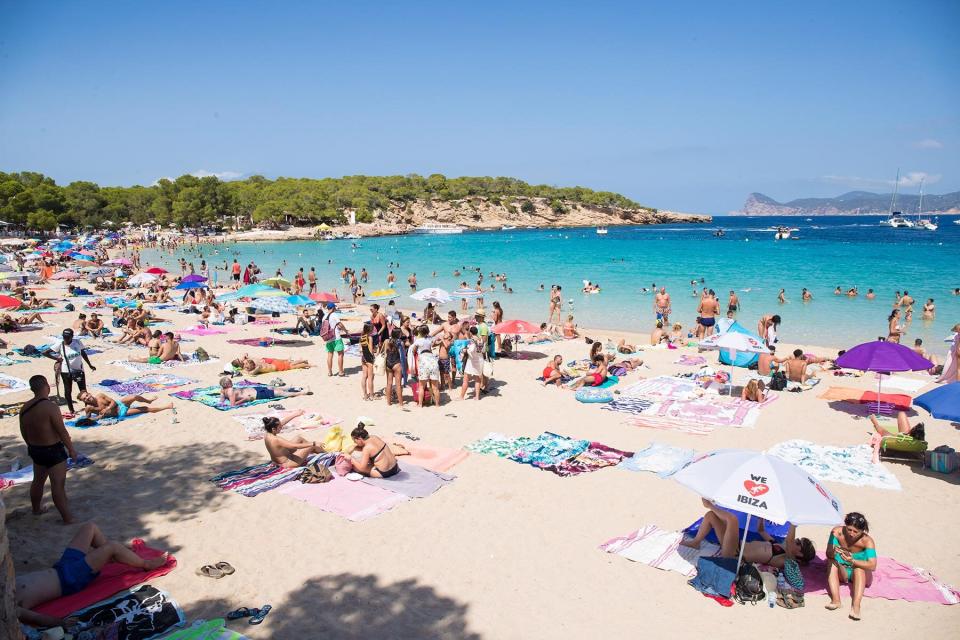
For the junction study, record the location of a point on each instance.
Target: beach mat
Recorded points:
(253, 422)
(892, 580)
(660, 549)
(433, 458)
(860, 396)
(113, 578)
(413, 481)
(661, 459)
(146, 367)
(210, 396)
(10, 384)
(848, 465)
(254, 480)
(150, 383)
(355, 501)
(101, 422)
(215, 629)
(24, 475)
(143, 613)
(270, 342)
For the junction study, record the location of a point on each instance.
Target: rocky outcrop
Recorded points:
(852, 203)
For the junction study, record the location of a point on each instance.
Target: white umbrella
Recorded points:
(733, 342)
(273, 304)
(142, 279)
(466, 292)
(432, 294)
(760, 485)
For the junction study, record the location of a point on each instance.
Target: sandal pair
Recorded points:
(256, 615)
(216, 571)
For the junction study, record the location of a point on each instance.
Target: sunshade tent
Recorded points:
(742, 358)
(432, 294)
(942, 402)
(883, 357)
(760, 485)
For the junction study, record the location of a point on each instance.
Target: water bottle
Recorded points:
(771, 599)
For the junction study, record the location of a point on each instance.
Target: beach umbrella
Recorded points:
(515, 328)
(325, 296)
(432, 294)
(884, 357)
(300, 301)
(141, 279)
(250, 291)
(383, 294)
(732, 343)
(9, 302)
(277, 281)
(466, 292)
(942, 402)
(760, 485)
(194, 278)
(273, 304)
(66, 275)
(124, 262)
(190, 285)
(157, 271)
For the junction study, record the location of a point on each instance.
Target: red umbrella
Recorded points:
(7, 302)
(157, 271)
(325, 297)
(515, 327)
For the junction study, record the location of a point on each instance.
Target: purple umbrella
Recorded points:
(194, 278)
(882, 356)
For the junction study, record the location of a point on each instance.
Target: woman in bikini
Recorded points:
(894, 330)
(394, 352)
(853, 559)
(367, 358)
(373, 457)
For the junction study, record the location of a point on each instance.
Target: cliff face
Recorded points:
(480, 213)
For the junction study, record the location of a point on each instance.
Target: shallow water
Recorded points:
(829, 251)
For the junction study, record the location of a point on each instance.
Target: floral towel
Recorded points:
(210, 396)
(548, 449)
(594, 457)
(849, 465)
(497, 444)
(664, 387)
(151, 383)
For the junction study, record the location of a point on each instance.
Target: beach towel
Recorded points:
(626, 404)
(24, 475)
(6, 361)
(548, 449)
(669, 425)
(355, 501)
(663, 387)
(145, 367)
(898, 400)
(433, 458)
(661, 459)
(204, 331)
(99, 422)
(270, 342)
(904, 383)
(413, 481)
(113, 578)
(849, 465)
(266, 321)
(353, 350)
(595, 457)
(661, 549)
(252, 481)
(253, 422)
(151, 383)
(691, 361)
(848, 394)
(136, 614)
(704, 412)
(497, 444)
(9, 384)
(215, 629)
(892, 580)
(210, 396)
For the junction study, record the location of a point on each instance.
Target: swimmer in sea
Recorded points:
(870, 294)
(782, 296)
(806, 295)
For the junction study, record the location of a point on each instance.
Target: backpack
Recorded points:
(316, 473)
(749, 585)
(778, 381)
(69, 307)
(326, 331)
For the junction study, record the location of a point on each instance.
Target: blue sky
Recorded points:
(680, 105)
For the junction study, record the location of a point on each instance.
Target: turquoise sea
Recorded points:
(827, 252)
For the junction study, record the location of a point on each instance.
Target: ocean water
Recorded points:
(827, 252)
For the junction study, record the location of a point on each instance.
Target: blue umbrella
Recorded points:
(942, 402)
(248, 291)
(300, 301)
(191, 285)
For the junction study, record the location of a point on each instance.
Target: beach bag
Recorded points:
(343, 465)
(380, 364)
(336, 441)
(326, 331)
(749, 585)
(778, 381)
(69, 307)
(316, 473)
(943, 459)
(487, 369)
(202, 354)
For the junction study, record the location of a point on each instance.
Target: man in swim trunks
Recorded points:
(238, 396)
(95, 326)
(733, 302)
(595, 376)
(48, 445)
(767, 363)
(709, 309)
(86, 554)
(153, 350)
(267, 365)
(661, 305)
(552, 373)
(100, 405)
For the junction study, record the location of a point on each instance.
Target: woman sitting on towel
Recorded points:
(372, 457)
(853, 559)
(765, 551)
(754, 391)
(291, 453)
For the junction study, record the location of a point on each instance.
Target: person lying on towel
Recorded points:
(255, 366)
(100, 405)
(237, 396)
(86, 554)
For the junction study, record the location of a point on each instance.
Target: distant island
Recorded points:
(852, 203)
(372, 204)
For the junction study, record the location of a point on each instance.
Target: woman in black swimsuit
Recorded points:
(395, 353)
(376, 459)
(366, 360)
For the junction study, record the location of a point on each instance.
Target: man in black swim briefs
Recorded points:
(48, 445)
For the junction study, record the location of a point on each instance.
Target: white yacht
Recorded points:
(783, 233)
(601, 231)
(507, 227)
(924, 224)
(896, 219)
(439, 228)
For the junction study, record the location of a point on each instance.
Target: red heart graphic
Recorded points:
(755, 488)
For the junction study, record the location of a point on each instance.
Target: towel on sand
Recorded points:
(146, 367)
(660, 549)
(252, 481)
(24, 475)
(849, 465)
(859, 396)
(210, 396)
(253, 422)
(412, 481)
(355, 501)
(595, 457)
(113, 578)
(150, 383)
(433, 458)
(204, 331)
(892, 580)
(662, 459)
(215, 629)
(903, 382)
(9, 384)
(136, 614)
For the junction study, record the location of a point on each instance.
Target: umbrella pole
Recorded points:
(879, 385)
(743, 543)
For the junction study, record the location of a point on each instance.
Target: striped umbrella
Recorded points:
(273, 304)
(466, 292)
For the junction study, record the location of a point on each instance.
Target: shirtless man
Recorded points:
(153, 350)
(929, 310)
(95, 326)
(798, 366)
(451, 327)
(806, 295)
(86, 554)
(100, 405)
(79, 325)
(709, 310)
(767, 363)
(236, 397)
(658, 335)
(170, 349)
(412, 281)
(920, 351)
(48, 445)
(267, 365)
(733, 302)
(289, 453)
(907, 300)
(661, 305)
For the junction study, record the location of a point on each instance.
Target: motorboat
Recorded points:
(783, 233)
(601, 231)
(439, 228)
(507, 227)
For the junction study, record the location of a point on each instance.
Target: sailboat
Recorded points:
(896, 219)
(923, 224)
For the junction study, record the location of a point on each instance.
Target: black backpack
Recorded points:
(749, 585)
(778, 381)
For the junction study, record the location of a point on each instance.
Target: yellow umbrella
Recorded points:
(276, 281)
(383, 294)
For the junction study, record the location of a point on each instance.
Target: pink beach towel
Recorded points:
(114, 578)
(892, 580)
(434, 458)
(354, 501)
(203, 331)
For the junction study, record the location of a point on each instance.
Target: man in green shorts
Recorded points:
(332, 330)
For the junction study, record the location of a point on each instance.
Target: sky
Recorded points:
(686, 106)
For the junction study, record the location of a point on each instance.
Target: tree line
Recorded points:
(34, 201)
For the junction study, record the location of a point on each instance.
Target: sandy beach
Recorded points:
(504, 551)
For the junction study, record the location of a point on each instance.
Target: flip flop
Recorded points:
(242, 612)
(260, 614)
(414, 438)
(401, 433)
(210, 571)
(226, 568)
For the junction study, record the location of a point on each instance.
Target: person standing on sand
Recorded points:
(48, 445)
(661, 305)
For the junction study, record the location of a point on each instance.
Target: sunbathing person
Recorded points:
(373, 457)
(622, 346)
(570, 329)
(267, 365)
(853, 559)
(100, 405)
(727, 529)
(552, 372)
(94, 326)
(21, 321)
(80, 325)
(596, 375)
(238, 396)
(289, 453)
(798, 366)
(903, 426)
(754, 391)
(86, 554)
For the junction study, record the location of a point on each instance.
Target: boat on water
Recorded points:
(783, 233)
(924, 224)
(507, 227)
(896, 219)
(439, 228)
(601, 231)
(719, 233)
